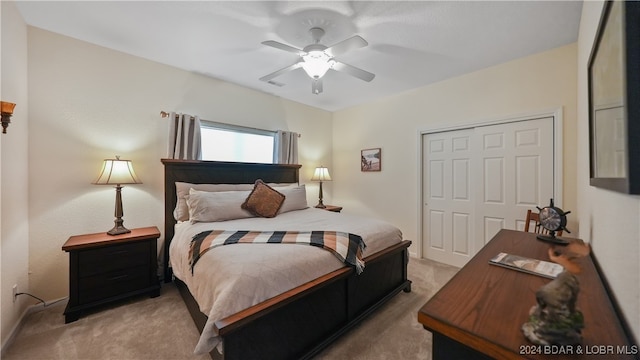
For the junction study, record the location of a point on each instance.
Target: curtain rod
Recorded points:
(165, 114)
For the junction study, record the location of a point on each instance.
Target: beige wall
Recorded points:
(88, 103)
(609, 220)
(14, 211)
(534, 84)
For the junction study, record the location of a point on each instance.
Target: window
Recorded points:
(222, 142)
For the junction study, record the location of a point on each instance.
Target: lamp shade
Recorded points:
(321, 174)
(116, 172)
(7, 107)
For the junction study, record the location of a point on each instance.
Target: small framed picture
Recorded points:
(371, 159)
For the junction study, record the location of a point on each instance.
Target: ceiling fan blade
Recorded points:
(274, 74)
(316, 86)
(354, 42)
(353, 71)
(285, 47)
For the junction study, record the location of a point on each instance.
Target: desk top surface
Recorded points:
(484, 306)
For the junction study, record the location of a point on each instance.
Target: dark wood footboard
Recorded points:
(299, 323)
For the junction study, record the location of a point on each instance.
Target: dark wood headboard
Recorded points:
(213, 172)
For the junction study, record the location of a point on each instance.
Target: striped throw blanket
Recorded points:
(345, 246)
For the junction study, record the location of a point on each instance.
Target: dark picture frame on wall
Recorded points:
(371, 159)
(614, 99)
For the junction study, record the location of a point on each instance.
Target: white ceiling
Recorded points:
(411, 43)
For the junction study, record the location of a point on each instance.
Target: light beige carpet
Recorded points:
(161, 328)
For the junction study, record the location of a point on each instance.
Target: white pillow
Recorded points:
(295, 198)
(206, 206)
(181, 211)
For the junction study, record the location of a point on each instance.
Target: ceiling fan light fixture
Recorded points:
(317, 63)
(316, 59)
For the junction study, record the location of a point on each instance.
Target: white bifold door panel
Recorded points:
(477, 181)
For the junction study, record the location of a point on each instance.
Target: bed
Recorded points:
(297, 323)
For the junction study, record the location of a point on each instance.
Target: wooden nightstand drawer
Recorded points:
(106, 285)
(111, 258)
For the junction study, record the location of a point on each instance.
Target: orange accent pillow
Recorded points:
(263, 201)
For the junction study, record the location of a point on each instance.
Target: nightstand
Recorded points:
(333, 208)
(105, 268)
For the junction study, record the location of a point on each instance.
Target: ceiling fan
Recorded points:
(316, 59)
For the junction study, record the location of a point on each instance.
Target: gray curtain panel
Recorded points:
(285, 147)
(184, 137)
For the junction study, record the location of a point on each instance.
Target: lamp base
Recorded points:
(6, 120)
(320, 204)
(118, 229)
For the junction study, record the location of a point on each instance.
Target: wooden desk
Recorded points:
(479, 313)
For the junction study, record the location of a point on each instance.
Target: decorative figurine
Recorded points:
(555, 320)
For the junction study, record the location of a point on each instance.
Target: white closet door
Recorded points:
(449, 216)
(516, 161)
(480, 180)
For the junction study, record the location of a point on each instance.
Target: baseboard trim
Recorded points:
(14, 331)
(28, 311)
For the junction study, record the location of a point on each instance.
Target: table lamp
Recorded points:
(117, 172)
(321, 174)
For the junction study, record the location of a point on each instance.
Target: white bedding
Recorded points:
(231, 278)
